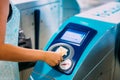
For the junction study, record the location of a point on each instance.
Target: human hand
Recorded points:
(52, 58)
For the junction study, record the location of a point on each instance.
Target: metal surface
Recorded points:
(117, 54)
(48, 22)
(99, 63)
(53, 13)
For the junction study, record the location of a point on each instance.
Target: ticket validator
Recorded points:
(88, 43)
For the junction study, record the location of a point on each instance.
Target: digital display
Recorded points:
(73, 36)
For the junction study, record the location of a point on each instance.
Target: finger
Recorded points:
(61, 59)
(54, 64)
(58, 62)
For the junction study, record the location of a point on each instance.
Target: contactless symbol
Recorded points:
(65, 65)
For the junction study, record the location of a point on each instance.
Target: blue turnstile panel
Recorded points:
(71, 41)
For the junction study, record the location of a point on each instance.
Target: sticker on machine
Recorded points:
(66, 64)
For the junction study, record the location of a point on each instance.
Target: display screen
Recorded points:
(73, 36)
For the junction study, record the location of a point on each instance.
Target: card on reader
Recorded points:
(62, 50)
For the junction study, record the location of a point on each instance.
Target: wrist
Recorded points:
(43, 58)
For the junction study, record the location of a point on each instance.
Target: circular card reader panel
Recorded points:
(64, 49)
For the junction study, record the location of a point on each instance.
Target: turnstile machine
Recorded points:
(91, 45)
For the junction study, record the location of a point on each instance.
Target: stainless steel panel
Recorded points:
(53, 13)
(49, 22)
(95, 66)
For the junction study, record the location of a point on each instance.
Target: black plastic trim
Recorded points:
(10, 12)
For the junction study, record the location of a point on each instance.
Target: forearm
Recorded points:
(13, 53)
